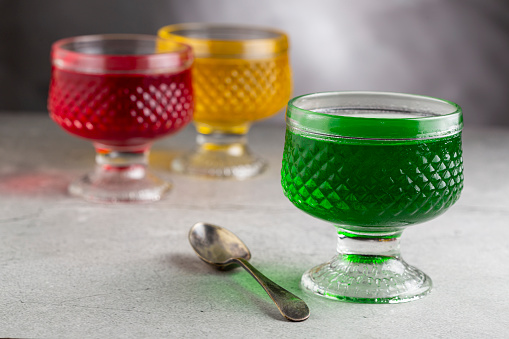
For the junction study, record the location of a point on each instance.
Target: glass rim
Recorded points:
(216, 47)
(405, 128)
(174, 59)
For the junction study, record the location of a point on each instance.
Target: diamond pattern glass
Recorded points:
(396, 185)
(240, 75)
(371, 164)
(121, 110)
(230, 93)
(117, 92)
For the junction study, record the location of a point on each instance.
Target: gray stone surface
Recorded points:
(69, 268)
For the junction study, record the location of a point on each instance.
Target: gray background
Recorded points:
(457, 49)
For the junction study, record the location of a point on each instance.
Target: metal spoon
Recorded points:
(221, 248)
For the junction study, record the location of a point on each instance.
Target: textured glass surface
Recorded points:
(121, 109)
(113, 91)
(371, 163)
(381, 280)
(230, 92)
(240, 75)
(372, 184)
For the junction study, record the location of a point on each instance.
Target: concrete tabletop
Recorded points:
(69, 268)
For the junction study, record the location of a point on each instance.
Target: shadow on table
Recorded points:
(187, 263)
(29, 184)
(55, 182)
(160, 159)
(239, 284)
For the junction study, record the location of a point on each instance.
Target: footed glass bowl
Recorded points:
(121, 94)
(241, 74)
(372, 164)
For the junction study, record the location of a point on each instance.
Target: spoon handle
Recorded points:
(291, 307)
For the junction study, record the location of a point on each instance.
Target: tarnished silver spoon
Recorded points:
(221, 248)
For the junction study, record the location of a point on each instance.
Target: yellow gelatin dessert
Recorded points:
(241, 74)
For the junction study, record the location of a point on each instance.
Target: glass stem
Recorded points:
(131, 162)
(352, 244)
(230, 140)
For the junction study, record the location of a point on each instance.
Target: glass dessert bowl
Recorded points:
(120, 93)
(371, 163)
(240, 75)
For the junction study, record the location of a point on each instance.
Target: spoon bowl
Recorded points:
(216, 245)
(221, 248)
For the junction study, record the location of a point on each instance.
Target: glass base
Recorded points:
(375, 280)
(219, 165)
(220, 155)
(119, 186)
(120, 176)
(367, 270)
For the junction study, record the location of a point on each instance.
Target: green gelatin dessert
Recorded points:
(371, 164)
